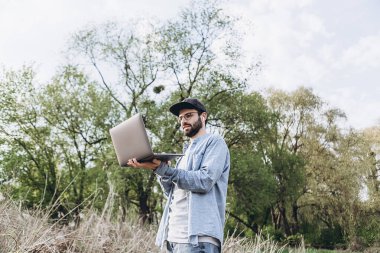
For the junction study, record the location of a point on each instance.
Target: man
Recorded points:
(193, 218)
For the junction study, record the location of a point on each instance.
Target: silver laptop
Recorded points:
(130, 140)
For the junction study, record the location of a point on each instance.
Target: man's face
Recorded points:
(190, 121)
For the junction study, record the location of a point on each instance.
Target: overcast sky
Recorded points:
(332, 46)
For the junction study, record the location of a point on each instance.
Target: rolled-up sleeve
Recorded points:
(209, 167)
(165, 183)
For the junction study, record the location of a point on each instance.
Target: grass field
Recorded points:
(27, 231)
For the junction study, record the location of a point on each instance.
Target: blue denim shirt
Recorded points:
(206, 179)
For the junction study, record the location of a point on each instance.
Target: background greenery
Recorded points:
(295, 172)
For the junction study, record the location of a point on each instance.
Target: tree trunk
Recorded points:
(144, 194)
(295, 226)
(284, 219)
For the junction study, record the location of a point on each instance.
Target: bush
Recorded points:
(294, 240)
(272, 233)
(369, 230)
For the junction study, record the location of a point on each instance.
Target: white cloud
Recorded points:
(275, 5)
(308, 27)
(364, 54)
(357, 102)
(299, 44)
(36, 31)
(285, 35)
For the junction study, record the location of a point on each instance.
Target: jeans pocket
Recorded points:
(169, 247)
(206, 247)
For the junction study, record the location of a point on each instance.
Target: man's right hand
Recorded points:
(145, 165)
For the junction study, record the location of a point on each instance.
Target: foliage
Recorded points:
(53, 140)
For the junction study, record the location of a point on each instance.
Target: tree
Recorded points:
(372, 137)
(28, 161)
(179, 57)
(335, 159)
(295, 114)
(53, 139)
(368, 225)
(133, 58)
(81, 116)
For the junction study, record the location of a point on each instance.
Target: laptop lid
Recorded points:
(130, 140)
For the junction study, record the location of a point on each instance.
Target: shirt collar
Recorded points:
(195, 141)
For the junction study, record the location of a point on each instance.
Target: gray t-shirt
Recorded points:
(178, 216)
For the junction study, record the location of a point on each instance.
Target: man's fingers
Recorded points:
(148, 165)
(137, 164)
(156, 161)
(131, 162)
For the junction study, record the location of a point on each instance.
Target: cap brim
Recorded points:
(179, 106)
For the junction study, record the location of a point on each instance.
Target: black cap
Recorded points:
(187, 103)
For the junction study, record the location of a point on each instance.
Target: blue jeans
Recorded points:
(203, 247)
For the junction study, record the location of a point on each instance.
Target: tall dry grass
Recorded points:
(32, 231)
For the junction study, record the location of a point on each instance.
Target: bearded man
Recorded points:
(194, 215)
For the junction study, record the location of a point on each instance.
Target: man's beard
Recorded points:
(194, 129)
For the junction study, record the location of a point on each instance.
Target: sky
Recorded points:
(332, 47)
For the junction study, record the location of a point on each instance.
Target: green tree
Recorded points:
(294, 114)
(372, 138)
(29, 165)
(368, 225)
(334, 164)
(81, 116)
(157, 68)
(54, 139)
(132, 57)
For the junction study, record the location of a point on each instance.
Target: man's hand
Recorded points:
(146, 165)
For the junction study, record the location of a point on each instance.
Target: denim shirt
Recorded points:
(206, 179)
